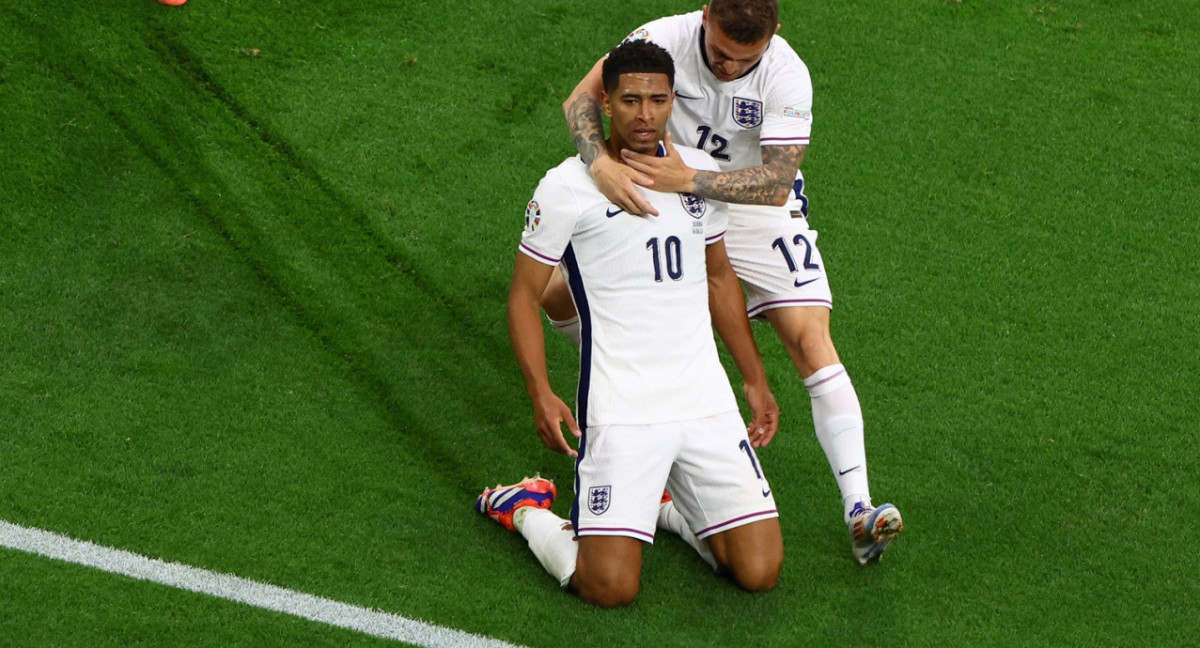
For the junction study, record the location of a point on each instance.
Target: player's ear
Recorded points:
(605, 103)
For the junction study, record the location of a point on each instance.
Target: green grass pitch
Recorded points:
(253, 263)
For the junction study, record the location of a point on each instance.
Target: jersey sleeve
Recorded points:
(787, 118)
(550, 219)
(670, 33)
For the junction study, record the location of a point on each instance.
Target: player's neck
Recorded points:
(614, 145)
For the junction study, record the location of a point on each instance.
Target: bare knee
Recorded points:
(751, 556)
(608, 570)
(757, 573)
(606, 592)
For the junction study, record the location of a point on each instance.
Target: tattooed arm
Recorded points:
(767, 184)
(582, 110)
(614, 179)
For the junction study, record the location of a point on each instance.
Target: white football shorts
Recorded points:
(777, 260)
(707, 464)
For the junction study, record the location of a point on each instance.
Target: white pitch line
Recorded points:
(241, 590)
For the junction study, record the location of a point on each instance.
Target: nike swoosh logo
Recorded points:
(805, 283)
(611, 212)
(766, 492)
(683, 96)
(843, 472)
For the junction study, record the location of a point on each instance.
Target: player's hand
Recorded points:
(550, 413)
(764, 414)
(667, 173)
(618, 182)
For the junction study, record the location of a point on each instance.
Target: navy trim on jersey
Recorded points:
(585, 363)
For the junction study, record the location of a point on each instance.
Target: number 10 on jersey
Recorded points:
(670, 256)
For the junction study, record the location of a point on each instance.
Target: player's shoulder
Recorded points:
(567, 179)
(568, 172)
(668, 29)
(781, 59)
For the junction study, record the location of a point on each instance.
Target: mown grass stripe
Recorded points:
(241, 590)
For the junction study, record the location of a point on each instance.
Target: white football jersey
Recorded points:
(640, 285)
(731, 120)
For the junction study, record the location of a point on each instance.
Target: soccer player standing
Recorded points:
(744, 95)
(654, 405)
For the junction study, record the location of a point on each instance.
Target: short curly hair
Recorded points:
(636, 56)
(745, 21)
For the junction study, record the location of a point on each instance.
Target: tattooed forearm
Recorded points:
(761, 185)
(583, 118)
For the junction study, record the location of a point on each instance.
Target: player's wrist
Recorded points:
(701, 182)
(689, 180)
(755, 379)
(598, 163)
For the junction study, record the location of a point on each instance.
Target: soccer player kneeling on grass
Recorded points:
(746, 96)
(655, 409)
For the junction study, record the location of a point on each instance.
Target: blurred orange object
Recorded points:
(173, 3)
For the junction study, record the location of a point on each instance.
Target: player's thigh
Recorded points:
(608, 570)
(779, 264)
(619, 478)
(717, 482)
(751, 554)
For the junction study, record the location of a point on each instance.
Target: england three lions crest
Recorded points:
(598, 499)
(748, 113)
(693, 204)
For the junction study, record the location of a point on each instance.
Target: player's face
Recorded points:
(727, 58)
(638, 110)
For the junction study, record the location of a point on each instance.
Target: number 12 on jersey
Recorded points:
(781, 245)
(719, 143)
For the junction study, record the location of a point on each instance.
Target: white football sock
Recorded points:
(838, 421)
(569, 328)
(670, 519)
(551, 539)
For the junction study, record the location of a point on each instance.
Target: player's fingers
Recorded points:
(772, 424)
(765, 438)
(569, 419)
(755, 433)
(633, 202)
(629, 204)
(762, 428)
(644, 205)
(631, 156)
(637, 168)
(553, 440)
(667, 144)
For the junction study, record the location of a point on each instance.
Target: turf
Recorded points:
(254, 265)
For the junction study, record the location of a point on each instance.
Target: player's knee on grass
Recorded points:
(605, 592)
(759, 573)
(608, 571)
(751, 556)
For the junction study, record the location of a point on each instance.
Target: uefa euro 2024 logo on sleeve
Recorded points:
(533, 215)
(748, 113)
